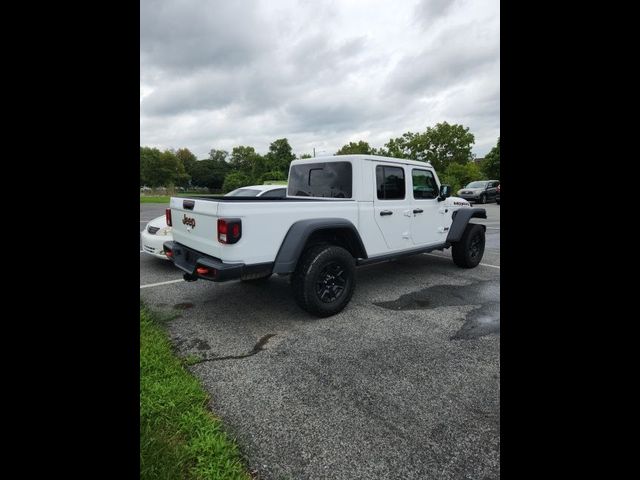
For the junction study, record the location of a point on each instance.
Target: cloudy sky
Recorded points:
(220, 73)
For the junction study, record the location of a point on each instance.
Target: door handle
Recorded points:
(418, 210)
(386, 212)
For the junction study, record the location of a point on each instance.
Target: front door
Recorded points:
(428, 214)
(392, 207)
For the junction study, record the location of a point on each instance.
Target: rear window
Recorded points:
(328, 179)
(243, 192)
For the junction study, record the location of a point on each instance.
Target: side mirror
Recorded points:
(445, 191)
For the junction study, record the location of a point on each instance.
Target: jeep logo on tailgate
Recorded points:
(191, 222)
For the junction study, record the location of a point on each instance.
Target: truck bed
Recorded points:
(265, 222)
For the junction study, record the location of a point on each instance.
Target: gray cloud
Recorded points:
(428, 11)
(181, 36)
(217, 74)
(455, 55)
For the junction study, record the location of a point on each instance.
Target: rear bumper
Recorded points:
(189, 261)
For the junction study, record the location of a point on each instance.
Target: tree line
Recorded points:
(447, 147)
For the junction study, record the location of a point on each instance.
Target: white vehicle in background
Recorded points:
(156, 232)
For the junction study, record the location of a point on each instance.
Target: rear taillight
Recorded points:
(206, 271)
(229, 230)
(167, 214)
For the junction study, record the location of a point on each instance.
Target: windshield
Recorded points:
(477, 185)
(327, 179)
(243, 192)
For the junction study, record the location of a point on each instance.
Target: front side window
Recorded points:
(327, 179)
(390, 182)
(424, 184)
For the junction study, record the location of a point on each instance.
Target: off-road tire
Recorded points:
(322, 271)
(468, 251)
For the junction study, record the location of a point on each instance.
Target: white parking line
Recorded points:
(160, 283)
(483, 264)
(493, 228)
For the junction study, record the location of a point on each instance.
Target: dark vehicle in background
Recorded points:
(480, 191)
(498, 195)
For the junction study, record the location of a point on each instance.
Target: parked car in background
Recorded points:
(156, 232)
(498, 195)
(481, 191)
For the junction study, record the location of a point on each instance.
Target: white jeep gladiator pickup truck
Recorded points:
(339, 212)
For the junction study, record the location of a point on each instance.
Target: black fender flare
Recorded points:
(298, 234)
(461, 218)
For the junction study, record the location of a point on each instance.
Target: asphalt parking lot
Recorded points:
(402, 384)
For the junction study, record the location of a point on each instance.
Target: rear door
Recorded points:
(392, 209)
(428, 217)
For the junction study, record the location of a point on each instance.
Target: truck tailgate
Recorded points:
(195, 224)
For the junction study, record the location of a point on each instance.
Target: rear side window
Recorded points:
(327, 179)
(279, 193)
(424, 184)
(390, 182)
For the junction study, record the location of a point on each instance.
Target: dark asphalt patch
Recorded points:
(480, 321)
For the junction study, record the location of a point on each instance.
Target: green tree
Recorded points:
(235, 180)
(245, 160)
(209, 174)
(149, 159)
(273, 175)
(161, 168)
(218, 155)
(187, 158)
(459, 175)
(491, 164)
(279, 156)
(353, 148)
(304, 156)
(440, 145)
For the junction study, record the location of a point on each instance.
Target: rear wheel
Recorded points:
(468, 251)
(324, 280)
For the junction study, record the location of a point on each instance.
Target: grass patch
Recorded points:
(179, 437)
(155, 199)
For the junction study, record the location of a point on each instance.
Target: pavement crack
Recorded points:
(258, 347)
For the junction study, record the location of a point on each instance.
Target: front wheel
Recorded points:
(468, 251)
(324, 280)
(483, 199)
